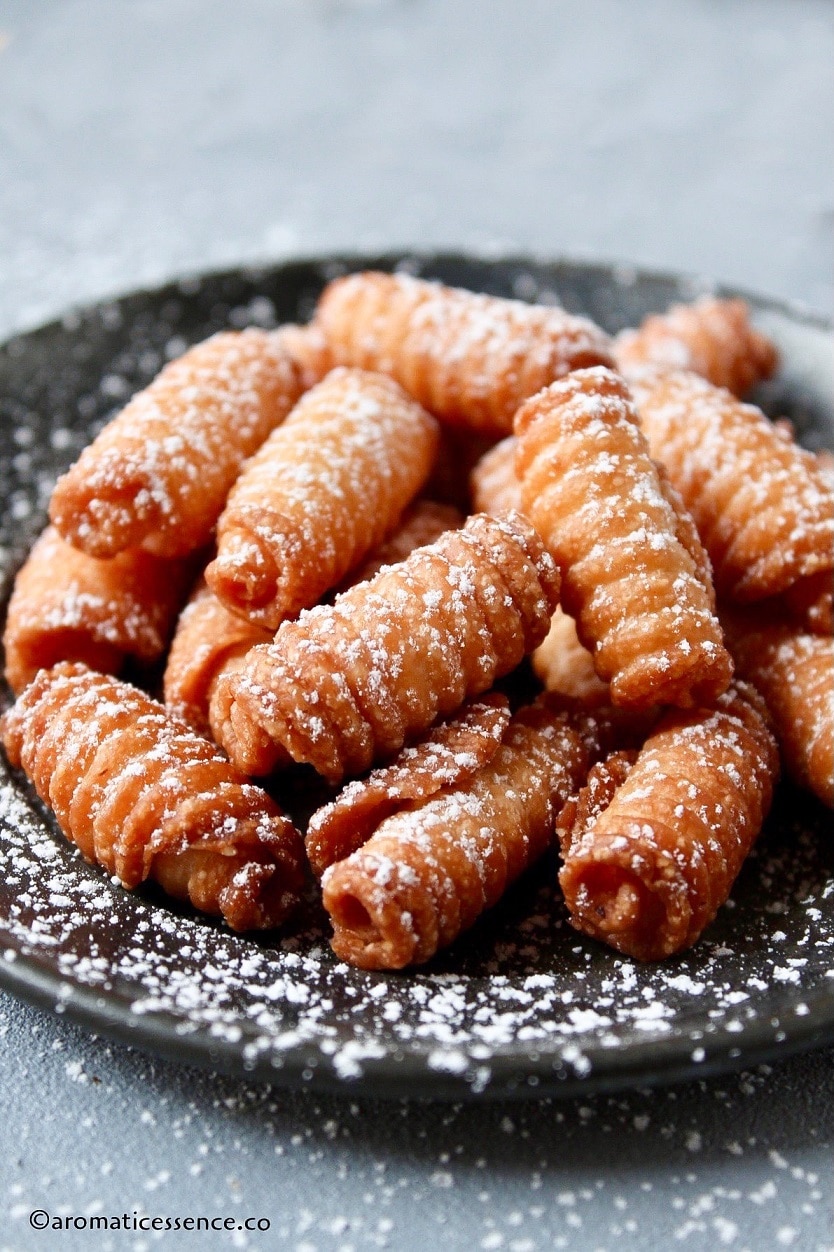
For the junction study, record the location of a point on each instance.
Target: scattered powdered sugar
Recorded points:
(522, 1000)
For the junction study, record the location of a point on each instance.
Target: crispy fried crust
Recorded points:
(654, 841)
(158, 474)
(762, 505)
(321, 493)
(711, 337)
(794, 671)
(430, 870)
(208, 640)
(641, 600)
(145, 798)
(449, 754)
(495, 487)
(471, 359)
(67, 606)
(350, 683)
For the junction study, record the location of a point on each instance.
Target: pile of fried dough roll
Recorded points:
(269, 535)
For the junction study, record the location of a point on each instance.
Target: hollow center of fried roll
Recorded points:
(615, 901)
(369, 933)
(243, 572)
(353, 915)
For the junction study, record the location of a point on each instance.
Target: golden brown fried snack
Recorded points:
(711, 337)
(208, 640)
(495, 487)
(639, 596)
(431, 869)
(349, 683)
(470, 359)
(321, 493)
(308, 348)
(67, 606)
(653, 843)
(449, 754)
(761, 503)
(145, 798)
(566, 667)
(794, 671)
(158, 474)
(493, 483)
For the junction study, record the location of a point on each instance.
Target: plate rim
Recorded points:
(401, 1073)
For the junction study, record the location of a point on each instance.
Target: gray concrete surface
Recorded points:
(145, 138)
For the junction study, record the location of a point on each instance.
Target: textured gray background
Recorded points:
(145, 138)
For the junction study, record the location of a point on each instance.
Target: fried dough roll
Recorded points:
(429, 870)
(321, 493)
(309, 350)
(349, 683)
(145, 798)
(67, 606)
(158, 474)
(794, 671)
(207, 641)
(629, 576)
(761, 503)
(653, 843)
(448, 755)
(711, 337)
(471, 359)
(493, 483)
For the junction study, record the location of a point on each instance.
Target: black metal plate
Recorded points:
(521, 1004)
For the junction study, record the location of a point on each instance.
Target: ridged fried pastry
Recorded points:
(430, 870)
(761, 503)
(711, 337)
(158, 474)
(67, 606)
(653, 843)
(321, 493)
(349, 683)
(470, 359)
(145, 798)
(449, 754)
(495, 487)
(208, 640)
(794, 671)
(640, 600)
